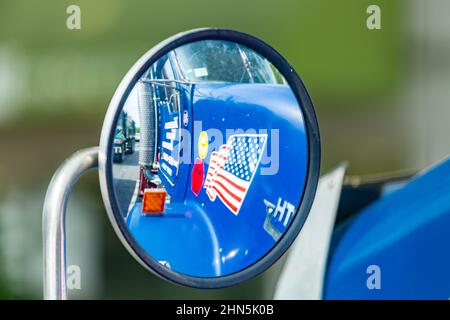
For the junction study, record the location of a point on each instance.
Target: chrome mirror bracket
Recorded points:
(53, 220)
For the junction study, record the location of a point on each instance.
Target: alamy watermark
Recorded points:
(73, 21)
(373, 21)
(374, 280)
(270, 155)
(73, 277)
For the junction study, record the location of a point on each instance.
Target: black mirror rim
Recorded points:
(105, 158)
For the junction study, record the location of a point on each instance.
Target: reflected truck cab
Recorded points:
(124, 140)
(216, 123)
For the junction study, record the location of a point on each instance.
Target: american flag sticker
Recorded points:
(232, 168)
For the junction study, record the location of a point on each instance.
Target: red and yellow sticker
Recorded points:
(198, 170)
(203, 145)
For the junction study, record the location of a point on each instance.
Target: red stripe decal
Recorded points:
(233, 208)
(232, 183)
(235, 197)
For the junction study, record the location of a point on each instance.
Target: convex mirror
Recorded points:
(209, 158)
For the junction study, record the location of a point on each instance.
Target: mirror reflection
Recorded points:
(209, 158)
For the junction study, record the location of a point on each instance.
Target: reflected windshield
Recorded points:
(224, 61)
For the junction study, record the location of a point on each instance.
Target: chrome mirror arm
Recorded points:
(53, 220)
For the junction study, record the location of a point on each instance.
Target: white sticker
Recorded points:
(200, 72)
(170, 135)
(167, 145)
(171, 124)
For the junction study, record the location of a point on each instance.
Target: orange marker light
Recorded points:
(153, 201)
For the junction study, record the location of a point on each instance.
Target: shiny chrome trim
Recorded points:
(53, 220)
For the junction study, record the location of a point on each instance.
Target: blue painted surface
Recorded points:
(183, 237)
(204, 238)
(407, 234)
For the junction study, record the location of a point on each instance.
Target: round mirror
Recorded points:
(209, 158)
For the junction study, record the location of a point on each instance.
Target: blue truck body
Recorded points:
(405, 234)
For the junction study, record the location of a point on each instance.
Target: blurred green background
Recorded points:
(380, 96)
